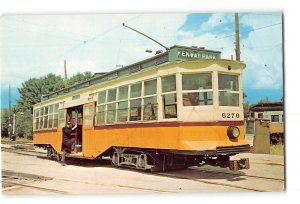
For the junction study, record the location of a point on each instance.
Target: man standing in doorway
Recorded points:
(67, 141)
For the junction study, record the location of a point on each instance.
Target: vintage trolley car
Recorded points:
(179, 108)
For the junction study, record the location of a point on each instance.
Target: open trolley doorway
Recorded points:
(75, 116)
(83, 117)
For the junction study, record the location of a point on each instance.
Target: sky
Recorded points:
(65, 38)
(35, 45)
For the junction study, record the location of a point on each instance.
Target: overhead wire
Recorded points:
(218, 38)
(86, 41)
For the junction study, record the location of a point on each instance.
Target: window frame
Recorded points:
(129, 100)
(198, 90)
(38, 117)
(167, 93)
(238, 91)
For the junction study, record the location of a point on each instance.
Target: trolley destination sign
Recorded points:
(192, 54)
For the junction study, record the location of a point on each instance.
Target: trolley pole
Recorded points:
(237, 37)
(66, 77)
(167, 49)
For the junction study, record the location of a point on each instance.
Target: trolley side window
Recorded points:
(62, 118)
(228, 90)
(41, 118)
(133, 102)
(101, 108)
(46, 117)
(150, 108)
(197, 89)
(88, 115)
(122, 113)
(123, 93)
(150, 87)
(102, 97)
(112, 95)
(50, 118)
(101, 115)
(37, 118)
(122, 110)
(55, 115)
(136, 90)
(150, 100)
(135, 110)
(111, 113)
(169, 96)
(170, 107)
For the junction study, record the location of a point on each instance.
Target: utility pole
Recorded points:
(237, 38)
(9, 113)
(14, 126)
(66, 77)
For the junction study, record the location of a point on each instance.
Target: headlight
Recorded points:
(233, 132)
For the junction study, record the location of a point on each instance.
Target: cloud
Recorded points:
(262, 51)
(34, 45)
(216, 20)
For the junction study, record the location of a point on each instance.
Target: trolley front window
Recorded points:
(168, 83)
(197, 89)
(228, 90)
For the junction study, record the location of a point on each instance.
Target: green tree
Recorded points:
(246, 107)
(30, 94)
(32, 90)
(4, 122)
(23, 124)
(79, 77)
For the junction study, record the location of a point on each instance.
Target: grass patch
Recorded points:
(277, 149)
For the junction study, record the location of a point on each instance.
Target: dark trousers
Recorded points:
(63, 157)
(67, 148)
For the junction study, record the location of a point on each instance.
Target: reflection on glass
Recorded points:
(168, 83)
(196, 81)
(228, 99)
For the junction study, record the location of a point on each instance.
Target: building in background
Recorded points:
(272, 111)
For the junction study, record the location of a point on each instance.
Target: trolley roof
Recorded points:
(176, 53)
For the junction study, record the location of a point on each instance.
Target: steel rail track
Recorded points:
(33, 153)
(24, 152)
(31, 186)
(199, 170)
(15, 180)
(213, 182)
(237, 174)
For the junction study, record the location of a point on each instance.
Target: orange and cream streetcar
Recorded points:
(180, 108)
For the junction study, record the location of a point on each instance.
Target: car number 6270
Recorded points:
(230, 115)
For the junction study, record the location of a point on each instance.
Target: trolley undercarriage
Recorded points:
(164, 160)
